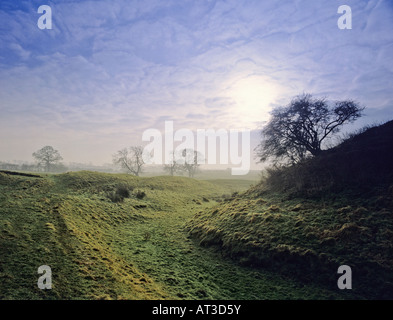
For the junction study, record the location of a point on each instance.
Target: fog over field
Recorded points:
(108, 70)
(222, 150)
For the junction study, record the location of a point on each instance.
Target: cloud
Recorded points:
(110, 69)
(22, 53)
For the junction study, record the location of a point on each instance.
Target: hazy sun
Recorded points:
(253, 95)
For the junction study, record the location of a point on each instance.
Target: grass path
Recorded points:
(135, 249)
(159, 246)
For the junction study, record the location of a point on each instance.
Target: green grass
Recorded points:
(307, 219)
(162, 248)
(45, 222)
(306, 238)
(137, 248)
(116, 236)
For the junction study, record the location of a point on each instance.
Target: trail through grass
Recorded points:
(160, 246)
(100, 247)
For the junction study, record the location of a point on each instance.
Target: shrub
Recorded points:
(123, 191)
(114, 197)
(119, 195)
(140, 194)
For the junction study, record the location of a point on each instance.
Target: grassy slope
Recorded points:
(161, 247)
(135, 249)
(348, 220)
(63, 222)
(67, 222)
(304, 239)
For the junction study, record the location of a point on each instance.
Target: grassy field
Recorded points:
(306, 220)
(306, 239)
(115, 236)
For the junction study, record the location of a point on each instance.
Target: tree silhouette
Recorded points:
(172, 166)
(300, 128)
(190, 161)
(131, 159)
(47, 157)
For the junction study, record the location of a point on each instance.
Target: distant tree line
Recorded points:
(32, 167)
(185, 162)
(294, 133)
(132, 160)
(47, 160)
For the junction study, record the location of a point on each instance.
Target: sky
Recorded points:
(110, 69)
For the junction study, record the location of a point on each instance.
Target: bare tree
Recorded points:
(130, 159)
(47, 157)
(172, 167)
(190, 161)
(299, 129)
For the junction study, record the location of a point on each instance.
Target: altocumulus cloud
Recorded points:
(110, 69)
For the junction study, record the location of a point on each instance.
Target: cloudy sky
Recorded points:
(110, 69)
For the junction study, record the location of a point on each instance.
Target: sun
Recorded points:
(253, 96)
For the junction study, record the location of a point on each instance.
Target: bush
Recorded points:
(119, 195)
(140, 194)
(114, 197)
(123, 191)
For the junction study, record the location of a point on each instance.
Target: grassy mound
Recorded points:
(70, 222)
(301, 226)
(362, 162)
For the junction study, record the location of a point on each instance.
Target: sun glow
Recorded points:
(253, 96)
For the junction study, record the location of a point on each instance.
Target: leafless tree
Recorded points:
(172, 167)
(299, 129)
(190, 161)
(47, 157)
(130, 159)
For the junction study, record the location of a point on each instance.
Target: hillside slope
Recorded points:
(307, 220)
(113, 236)
(71, 222)
(361, 163)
